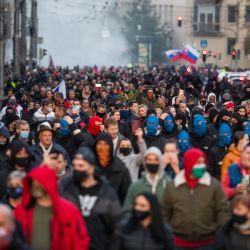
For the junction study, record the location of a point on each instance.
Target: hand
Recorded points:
(139, 134)
(166, 159)
(51, 160)
(102, 127)
(174, 162)
(163, 116)
(68, 119)
(241, 188)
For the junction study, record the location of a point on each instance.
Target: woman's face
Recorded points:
(116, 116)
(22, 153)
(242, 112)
(142, 204)
(15, 183)
(241, 209)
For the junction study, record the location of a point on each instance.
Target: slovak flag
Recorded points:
(190, 54)
(61, 88)
(173, 55)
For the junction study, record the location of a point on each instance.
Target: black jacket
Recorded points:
(156, 141)
(116, 172)
(215, 157)
(100, 223)
(204, 143)
(140, 239)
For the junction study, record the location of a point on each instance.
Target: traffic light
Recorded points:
(234, 54)
(204, 55)
(179, 21)
(44, 52)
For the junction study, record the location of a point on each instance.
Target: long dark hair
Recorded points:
(156, 227)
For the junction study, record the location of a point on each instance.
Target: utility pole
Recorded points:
(23, 37)
(33, 35)
(2, 46)
(16, 38)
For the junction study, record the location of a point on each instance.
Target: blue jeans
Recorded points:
(207, 247)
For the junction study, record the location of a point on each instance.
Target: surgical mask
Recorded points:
(62, 173)
(79, 176)
(22, 161)
(2, 143)
(168, 124)
(49, 110)
(24, 134)
(14, 192)
(38, 192)
(140, 215)
(76, 108)
(198, 171)
(152, 168)
(125, 151)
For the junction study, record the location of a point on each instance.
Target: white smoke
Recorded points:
(82, 32)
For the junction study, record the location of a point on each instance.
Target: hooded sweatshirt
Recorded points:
(68, 229)
(146, 183)
(94, 129)
(116, 172)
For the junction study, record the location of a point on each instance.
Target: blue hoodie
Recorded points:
(199, 125)
(247, 129)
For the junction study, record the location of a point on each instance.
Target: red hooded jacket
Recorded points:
(68, 230)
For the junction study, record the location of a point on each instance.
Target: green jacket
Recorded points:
(195, 214)
(143, 185)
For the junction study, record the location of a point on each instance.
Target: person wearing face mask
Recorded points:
(235, 234)
(132, 161)
(23, 132)
(152, 133)
(199, 137)
(45, 113)
(47, 220)
(10, 235)
(240, 140)
(21, 159)
(14, 189)
(101, 111)
(194, 204)
(14, 105)
(144, 229)
(110, 166)
(184, 142)
(237, 178)
(169, 130)
(154, 180)
(4, 142)
(247, 128)
(94, 126)
(219, 150)
(71, 137)
(95, 198)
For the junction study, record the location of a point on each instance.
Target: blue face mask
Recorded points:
(124, 114)
(199, 125)
(168, 124)
(64, 128)
(247, 129)
(152, 124)
(225, 135)
(183, 141)
(24, 134)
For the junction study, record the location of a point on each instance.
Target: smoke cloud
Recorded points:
(82, 32)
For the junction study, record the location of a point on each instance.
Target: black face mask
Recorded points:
(79, 176)
(22, 162)
(152, 168)
(139, 215)
(100, 114)
(125, 151)
(239, 219)
(14, 193)
(203, 103)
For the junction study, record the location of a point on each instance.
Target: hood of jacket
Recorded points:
(46, 177)
(234, 150)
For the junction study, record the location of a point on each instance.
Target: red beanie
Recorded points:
(189, 160)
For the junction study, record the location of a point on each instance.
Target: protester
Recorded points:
(47, 220)
(145, 229)
(194, 204)
(96, 199)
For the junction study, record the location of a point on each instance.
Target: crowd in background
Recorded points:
(130, 159)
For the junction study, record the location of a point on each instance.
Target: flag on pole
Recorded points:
(173, 55)
(61, 88)
(190, 54)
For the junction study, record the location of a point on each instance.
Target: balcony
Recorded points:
(206, 29)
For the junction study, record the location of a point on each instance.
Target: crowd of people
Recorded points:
(130, 159)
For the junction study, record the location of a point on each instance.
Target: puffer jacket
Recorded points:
(231, 157)
(195, 214)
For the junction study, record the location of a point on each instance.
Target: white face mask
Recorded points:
(49, 110)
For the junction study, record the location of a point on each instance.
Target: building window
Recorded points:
(230, 45)
(247, 13)
(232, 13)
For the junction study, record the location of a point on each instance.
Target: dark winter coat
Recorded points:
(156, 141)
(204, 143)
(100, 223)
